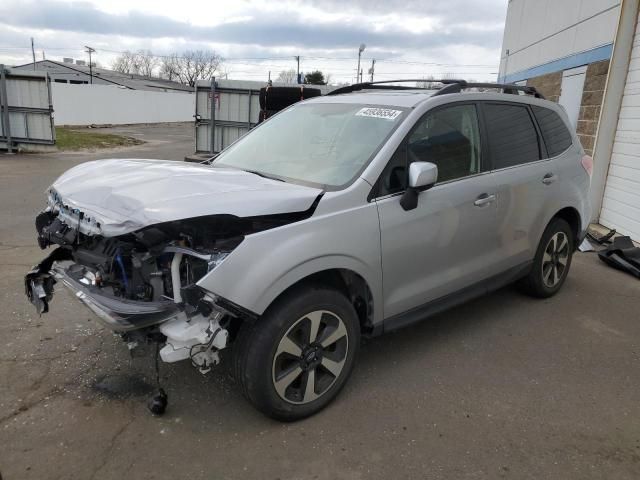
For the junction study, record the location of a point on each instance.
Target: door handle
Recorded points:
(484, 199)
(549, 178)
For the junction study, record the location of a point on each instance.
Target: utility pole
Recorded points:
(506, 64)
(358, 71)
(33, 54)
(373, 67)
(297, 57)
(90, 51)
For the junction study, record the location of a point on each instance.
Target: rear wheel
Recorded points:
(552, 261)
(294, 360)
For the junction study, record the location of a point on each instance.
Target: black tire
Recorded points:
(263, 96)
(548, 272)
(311, 92)
(265, 114)
(259, 359)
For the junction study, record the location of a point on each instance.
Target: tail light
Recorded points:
(587, 164)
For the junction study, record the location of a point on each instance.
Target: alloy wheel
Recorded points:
(554, 259)
(310, 357)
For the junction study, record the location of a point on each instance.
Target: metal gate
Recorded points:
(26, 109)
(236, 109)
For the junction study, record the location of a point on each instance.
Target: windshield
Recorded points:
(319, 143)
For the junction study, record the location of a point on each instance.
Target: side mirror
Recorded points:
(422, 176)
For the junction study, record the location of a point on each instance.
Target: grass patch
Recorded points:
(69, 139)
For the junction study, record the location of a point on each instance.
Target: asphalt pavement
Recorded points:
(503, 387)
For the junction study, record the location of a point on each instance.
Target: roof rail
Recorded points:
(510, 88)
(380, 85)
(450, 86)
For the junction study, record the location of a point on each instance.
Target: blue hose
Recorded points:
(122, 270)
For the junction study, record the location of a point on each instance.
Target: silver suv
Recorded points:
(344, 216)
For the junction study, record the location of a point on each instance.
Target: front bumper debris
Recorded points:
(39, 281)
(117, 313)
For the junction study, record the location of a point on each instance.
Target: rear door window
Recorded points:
(513, 138)
(554, 131)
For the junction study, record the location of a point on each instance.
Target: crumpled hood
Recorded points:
(115, 197)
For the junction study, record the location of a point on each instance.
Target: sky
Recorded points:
(407, 38)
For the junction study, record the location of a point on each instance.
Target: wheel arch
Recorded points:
(348, 282)
(572, 217)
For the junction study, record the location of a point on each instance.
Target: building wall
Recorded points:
(109, 105)
(543, 36)
(549, 85)
(592, 94)
(591, 105)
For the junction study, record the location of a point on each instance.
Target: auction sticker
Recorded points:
(385, 113)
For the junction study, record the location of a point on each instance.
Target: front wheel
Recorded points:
(294, 360)
(552, 261)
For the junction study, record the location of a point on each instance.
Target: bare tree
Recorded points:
(187, 68)
(431, 83)
(287, 76)
(142, 62)
(170, 67)
(428, 83)
(145, 63)
(194, 65)
(124, 62)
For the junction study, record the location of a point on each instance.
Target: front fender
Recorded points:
(267, 263)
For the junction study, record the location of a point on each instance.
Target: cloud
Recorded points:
(456, 11)
(408, 38)
(268, 28)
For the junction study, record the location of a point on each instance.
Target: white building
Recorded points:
(585, 54)
(79, 73)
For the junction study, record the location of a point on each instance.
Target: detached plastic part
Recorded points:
(197, 338)
(623, 255)
(39, 290)
(39, 282)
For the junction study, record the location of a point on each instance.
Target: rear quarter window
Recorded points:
(556, 135)
(513, 138)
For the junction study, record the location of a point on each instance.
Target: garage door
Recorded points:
(621, 202)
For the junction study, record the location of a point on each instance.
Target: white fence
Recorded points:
(104, 104)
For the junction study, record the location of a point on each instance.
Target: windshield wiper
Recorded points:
(263, 175)
(255, 172)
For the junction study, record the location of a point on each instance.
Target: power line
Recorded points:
(265, 62)
(310, 57)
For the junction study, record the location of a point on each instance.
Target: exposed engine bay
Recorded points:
(143, 284)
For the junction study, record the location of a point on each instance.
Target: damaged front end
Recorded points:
(134, 237)
(142, 284)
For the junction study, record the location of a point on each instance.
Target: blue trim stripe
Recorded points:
(583, 58)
